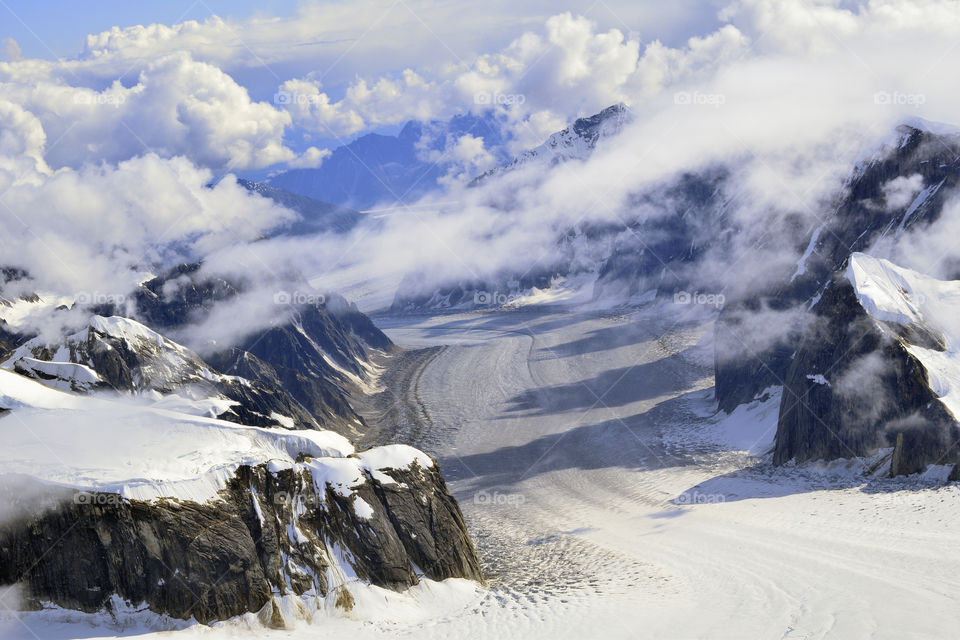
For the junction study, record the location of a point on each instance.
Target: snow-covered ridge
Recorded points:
(126, 356)
(164, 363)
(576, 142)
(926, 306)
(142, 452)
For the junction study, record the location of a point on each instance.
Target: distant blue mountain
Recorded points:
(379, 169)
(315, 216)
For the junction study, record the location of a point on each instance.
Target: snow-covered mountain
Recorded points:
(865, 216)
(122, 354)
(879, 371)
(109, 501)
(618, 262)
(167, 475)
(576, 142)
(318, 353)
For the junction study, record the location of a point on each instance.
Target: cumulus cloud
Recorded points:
(778, 98)
(177, 107)
(102, 229)
(384, 102)
(787, 113)
(22, 144)
(568, 69)
(309, 159)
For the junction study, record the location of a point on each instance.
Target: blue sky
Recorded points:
(58, 27)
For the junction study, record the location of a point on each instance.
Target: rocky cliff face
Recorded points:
(866, 215)
(121, 354)
(319, 353)
(853, 389)
(867, 376)
(271, 533)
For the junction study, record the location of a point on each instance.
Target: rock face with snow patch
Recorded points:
(876, 370)
(923, 165)
(319, 353)
(312, 529)
(122, 354)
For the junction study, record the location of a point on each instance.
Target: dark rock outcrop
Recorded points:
(314, 351)
(129, 357)
(270, 533)
(862, 217)
(9, 339)
(853, 388)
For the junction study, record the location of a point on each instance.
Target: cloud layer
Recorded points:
(105, 159)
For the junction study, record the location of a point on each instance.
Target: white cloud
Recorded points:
(901, 191)
(177, 107)
(797, 111)
(465, 157)
(98, 229)
(310, 159)
(22, 143)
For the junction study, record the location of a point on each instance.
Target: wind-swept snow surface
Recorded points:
(609, 501)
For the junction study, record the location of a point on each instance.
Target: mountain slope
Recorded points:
(319, 353)
(879, 370)
(122, 354)
(865, 215)
(576, 142)
(316, 216)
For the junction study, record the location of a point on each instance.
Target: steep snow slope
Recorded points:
(145, 453)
